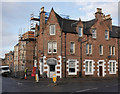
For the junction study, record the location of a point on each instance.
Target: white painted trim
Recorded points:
(103, 67)
(54, 29)
(115, 66)
(45, 65)
(76, 62)
(88, 73)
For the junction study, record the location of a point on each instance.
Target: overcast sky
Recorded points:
(16, 15)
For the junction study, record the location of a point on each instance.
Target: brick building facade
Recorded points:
(71, 48)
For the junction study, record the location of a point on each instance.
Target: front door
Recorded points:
(100, 70)
(52, 70)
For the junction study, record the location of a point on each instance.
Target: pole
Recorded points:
(81, 42)
(65, 55)
(81, 57)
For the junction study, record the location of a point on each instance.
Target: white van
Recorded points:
(4, 70)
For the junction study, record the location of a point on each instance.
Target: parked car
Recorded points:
(4, 70)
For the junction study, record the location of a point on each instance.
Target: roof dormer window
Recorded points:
(94, 33)
(106, 34)
(80, 32)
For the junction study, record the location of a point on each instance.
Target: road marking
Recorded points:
(19, 83)
(87, 90)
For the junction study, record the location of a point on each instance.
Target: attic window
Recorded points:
(106, 34)
(52, 29)
(94, 33)
(80, 33)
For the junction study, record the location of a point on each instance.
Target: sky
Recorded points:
(16, 16)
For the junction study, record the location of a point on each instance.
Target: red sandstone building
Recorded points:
(71, 48)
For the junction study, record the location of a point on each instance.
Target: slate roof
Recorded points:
(87, 25)
(68, 25)
(115, 33)
(17, 44)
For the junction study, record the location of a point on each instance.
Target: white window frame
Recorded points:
(101, 49)
(106, 34)
(113, 50)
(49, 47)
(76, 65)
(92, 67)
(80, 31)
(53, 46)
(112, 61)
(51, 29)
(94, 33)
(73, 47)
(90, 49)
(110, 50)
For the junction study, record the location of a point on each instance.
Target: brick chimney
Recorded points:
(99, 14)
(108, 20)
(42, 20)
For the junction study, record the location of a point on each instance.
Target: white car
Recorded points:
(4, 70)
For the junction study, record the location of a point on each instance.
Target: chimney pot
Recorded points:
(42, 9)
(99, 10)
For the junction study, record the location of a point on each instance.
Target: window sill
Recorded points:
(88, 73)
(54, 53)
(72, 53)
(94, 38)
(52, 34)
(112, 73)
(72, 73)
(49, 53)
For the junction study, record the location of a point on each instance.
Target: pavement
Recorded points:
(71, 85)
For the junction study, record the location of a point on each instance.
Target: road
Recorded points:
(74, 85)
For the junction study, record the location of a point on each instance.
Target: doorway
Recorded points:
(52, 70)
(100, 71)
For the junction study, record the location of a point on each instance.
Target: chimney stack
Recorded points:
(99, 15)
(99, 10)
(107, 17)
